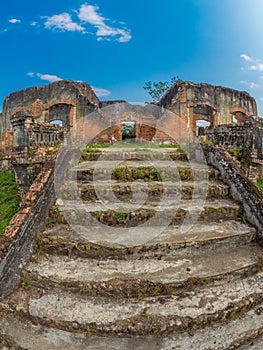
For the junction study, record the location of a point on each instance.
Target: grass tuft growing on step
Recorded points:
(9, 200)
(260, 183)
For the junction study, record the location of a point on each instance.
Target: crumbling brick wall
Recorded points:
(63, 100)
(214, 104)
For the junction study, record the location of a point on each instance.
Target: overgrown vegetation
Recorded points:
(93, 148)
(238, 153)
(260, 183)
(9, 200)
(243, 218)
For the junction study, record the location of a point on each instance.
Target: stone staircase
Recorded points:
(143, 250)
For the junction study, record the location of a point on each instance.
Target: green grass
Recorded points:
(237, 153)
(9, 200)
(147, 145)
(260, 183)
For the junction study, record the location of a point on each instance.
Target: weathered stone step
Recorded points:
(254, 343)
(126, 191)
(160, 213)
(230, 335)
(141, 154)
(142, 170)
(164, 316)
(95, 242)
(146, 276)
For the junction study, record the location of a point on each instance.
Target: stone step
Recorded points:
(144, 276)
(125, 191)
(139, 154)
(254, 343)
(97, 242)
(162, 316)
(148, 171)
(230, 335)
(161, 213)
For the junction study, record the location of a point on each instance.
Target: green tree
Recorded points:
(158, 89)
(128, 131)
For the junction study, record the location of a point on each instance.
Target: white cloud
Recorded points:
(101, 92)
(14, 20)
(246, 57)
(85, 15)
(252, 85)
(63, 22)
(48, 77)
(255, 65)
(89, 14)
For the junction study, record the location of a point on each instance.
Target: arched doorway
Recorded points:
(203, 115)
(238, 117)
(201, 124)
(60, 113)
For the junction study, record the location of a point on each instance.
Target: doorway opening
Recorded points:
(200, 125)
(128, 131)
(57, 122)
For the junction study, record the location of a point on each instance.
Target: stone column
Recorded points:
(21, 122)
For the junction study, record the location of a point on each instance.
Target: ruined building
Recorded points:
(214, 105)
(32, 117)
(131, 247)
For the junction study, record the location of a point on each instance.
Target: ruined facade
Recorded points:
(34, 116)
(209, 104)
(63, 102)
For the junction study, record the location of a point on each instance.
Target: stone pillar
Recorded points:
(21, 122)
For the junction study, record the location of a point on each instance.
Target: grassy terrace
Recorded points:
(9, 200)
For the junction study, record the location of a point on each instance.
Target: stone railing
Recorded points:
(248, 135)
(45, 135)
(18, 241)
(27, 134)
(242, 190)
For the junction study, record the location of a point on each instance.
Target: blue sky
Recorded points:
(116, 46)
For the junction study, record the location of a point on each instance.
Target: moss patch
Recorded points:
(9, 199)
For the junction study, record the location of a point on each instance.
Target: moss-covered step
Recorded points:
(141, 170)
(153, 214)
(95, 242)
(152, 190)
(142, 154)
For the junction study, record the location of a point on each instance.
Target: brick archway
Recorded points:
(202, 111)
(61, 110)
(240, 114)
